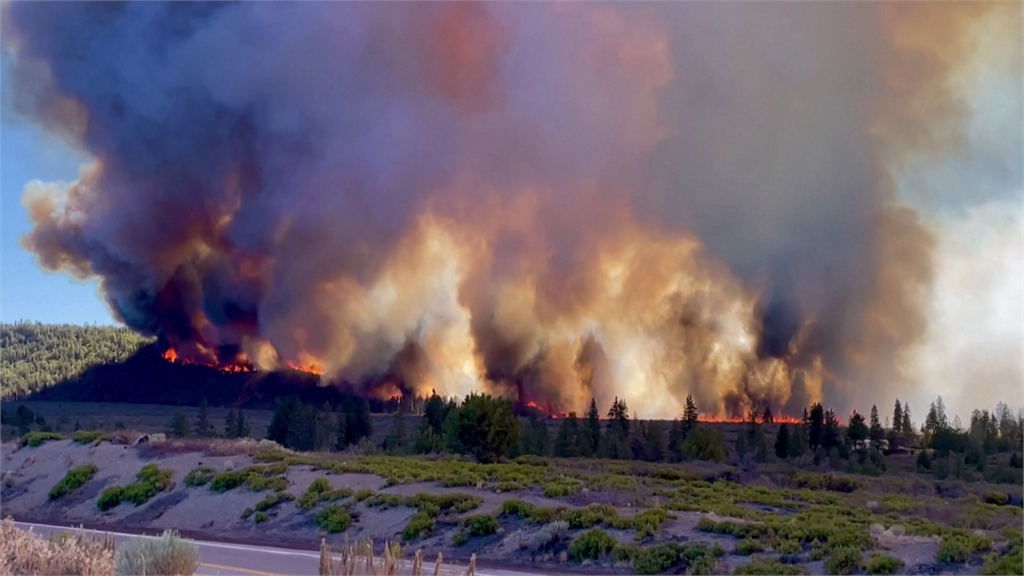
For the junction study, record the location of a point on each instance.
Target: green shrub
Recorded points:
(420, 524)
(884, 564)
(261, 517)
(661, 559)
(73, 480)
(257, 483)
(648, 522)
(385, 500)
(37, 439)
(844, 560)
(169, 554)
(789, 547)
(151, 480)
(748, 546)
(624, 552)
(363, 494)
(459, 538)
(110, 498)
(768, 567)
(246, 513)
(562, 487)
(541, 515)
(957, 548)
(706, 524)
(482, 525)
(461, 479)
(717, 550)
(273, 500)
(591, 516)
(1011, 561)
(334, 519)
(88, 436)
(997, 498)
(199, 476)
(227, 481)
(509, 487)
(516, 507)
(592, 545)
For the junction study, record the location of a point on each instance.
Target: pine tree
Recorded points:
(323, 428)
(857, 431)
(767, 418)
(655, 436)
(797, 441)
(782, 442)
(815, 426)
(675, 441)
(908, 426)
(638, 438)
(593, 430)
(395, 441)
(897, 417)
(830, 430)
(204, 429)
(690, 416)
(231, 425)
(565, 440)
(78, 426)
(179, 426)
(876, 432)
(242, 429)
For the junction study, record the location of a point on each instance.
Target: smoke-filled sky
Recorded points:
(757, 204)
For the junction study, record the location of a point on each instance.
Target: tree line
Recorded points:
(35, 356)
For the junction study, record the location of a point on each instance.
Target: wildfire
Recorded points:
(737, 420)
(310, 368)
(171, 355)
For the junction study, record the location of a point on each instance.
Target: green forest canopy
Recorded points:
(34, 356)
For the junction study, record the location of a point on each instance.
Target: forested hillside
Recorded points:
(34, 356)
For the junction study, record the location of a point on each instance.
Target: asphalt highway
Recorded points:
(220, 559)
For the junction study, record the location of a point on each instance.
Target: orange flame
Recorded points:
(171, 355)
(310, 368)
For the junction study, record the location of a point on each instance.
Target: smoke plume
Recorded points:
(556, 201)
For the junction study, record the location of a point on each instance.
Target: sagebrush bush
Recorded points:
(459, 538)
(748, 546)
(516, 507)
(334, 519)
(844, 560)
(26, 553)
(362, 494)
(482, 525)
(151, 480)
(37, 439)
(957, 548)
(789, 547)
(420, 524)
(767, 567)
(88, 436)
(592, 545)
(273, 500)
(168, 554)
(73, 480)
(884, 564)
(199, 476)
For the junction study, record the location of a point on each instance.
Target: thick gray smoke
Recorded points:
(568, 199)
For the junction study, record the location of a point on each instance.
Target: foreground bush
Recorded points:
(844, 560)
(88, 436)
(73, 480)
(199, 476)
(334, 519)
(36, 439)
(151, 480)
(26, 553)
(884, 564)
(592, 545)
(766, 567)
(957, 549)
(482, 525)
(168, 554)
(663, 558)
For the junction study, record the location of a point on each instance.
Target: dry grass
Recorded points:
(26, 553)
(169, 554)
(358, 558)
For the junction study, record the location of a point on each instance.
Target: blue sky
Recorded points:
(27, 292)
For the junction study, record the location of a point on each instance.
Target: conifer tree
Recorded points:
(231, 425)
(782, 442)
(204, 429)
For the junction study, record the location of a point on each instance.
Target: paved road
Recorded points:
(219, 559)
